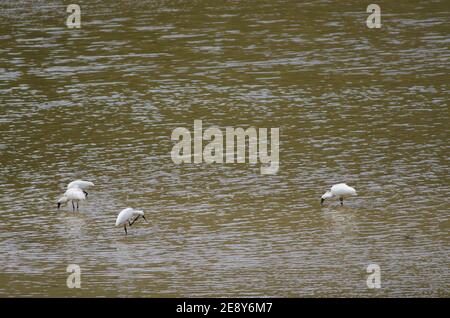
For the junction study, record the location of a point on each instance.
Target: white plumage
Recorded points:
(74, 195)
(80, 184)
(340, 190)
(83, 185)
(129, 215)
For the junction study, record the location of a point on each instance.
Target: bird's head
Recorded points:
(61, 201)
(141, 213)
(325, 196)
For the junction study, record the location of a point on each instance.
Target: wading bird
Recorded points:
(83, 185)
(74, 195)
(126, 216)
(340, 190)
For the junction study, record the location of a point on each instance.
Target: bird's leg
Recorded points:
(77, 205)
(125, 228)
(342, 200)
(73, 206)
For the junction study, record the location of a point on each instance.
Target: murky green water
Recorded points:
(368, 107)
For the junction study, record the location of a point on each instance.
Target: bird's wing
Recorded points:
(80, 184)
(127, 210)
(124, 215)
(73, 184)
(75, 194)
(342, 189)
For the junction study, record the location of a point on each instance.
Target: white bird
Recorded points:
(126, 215)
(340, 190)
(74, 195)
(83, 185)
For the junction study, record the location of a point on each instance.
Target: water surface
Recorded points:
(368, 107)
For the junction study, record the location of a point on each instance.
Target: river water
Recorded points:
(368, 107)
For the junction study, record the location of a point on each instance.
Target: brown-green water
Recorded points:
(368, 107)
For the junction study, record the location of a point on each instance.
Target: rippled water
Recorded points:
(368, 107)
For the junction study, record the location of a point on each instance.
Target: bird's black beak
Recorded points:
(321, 201)
(144, 219)
(59, 204)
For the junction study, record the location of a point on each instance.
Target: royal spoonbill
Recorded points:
(74, 195)
(340, 190)
(126, 215)
(83, 185)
